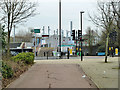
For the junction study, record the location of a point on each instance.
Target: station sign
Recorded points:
(35, 30)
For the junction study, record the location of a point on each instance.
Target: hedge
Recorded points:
(7, 71)
(27, 58)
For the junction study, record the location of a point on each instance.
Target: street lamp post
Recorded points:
(81, 33)
(76, 44)
(60, 27)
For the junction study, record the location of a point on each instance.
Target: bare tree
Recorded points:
(15, 12)
(104, 19)
(116, 8)
(89, 35)
(23, 36)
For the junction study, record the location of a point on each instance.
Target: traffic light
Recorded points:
(73, 34)
(79, 34)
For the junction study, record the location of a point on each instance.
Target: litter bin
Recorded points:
(36, 53)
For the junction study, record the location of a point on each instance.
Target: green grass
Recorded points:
(116, 68)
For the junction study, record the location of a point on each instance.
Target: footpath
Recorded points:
(67, 73)
(53, 76)
(104, 75)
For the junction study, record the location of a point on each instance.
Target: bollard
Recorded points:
(47, 55)
(68, 53)
(96, 53)
(44, 53)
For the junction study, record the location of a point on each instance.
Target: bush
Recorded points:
(7, 71)
(27, 58)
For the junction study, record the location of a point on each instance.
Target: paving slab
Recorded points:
(104, 75)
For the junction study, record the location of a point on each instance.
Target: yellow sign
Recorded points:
(70, 51)
(76, 48)
(80, 49)
(116, 51)
(109, 48)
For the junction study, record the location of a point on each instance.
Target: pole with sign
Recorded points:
(35, 31)
(35, 45)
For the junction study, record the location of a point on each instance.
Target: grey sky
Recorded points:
(48, 16)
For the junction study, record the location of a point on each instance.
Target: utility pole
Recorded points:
(43, 30)
(76, 42)
(119, 28)
(66, 33)
(62, 33)
(48, 30)
(54, 32)
(81, 33)
(35, 45)
(14, 34)
(57, 31)
(71, 29)
(60, 27)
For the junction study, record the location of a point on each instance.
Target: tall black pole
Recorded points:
(119, 29)
(76, 42)
(60, 27)
(81, 33)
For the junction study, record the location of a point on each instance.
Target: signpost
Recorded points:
(35, 31)
(70, 51)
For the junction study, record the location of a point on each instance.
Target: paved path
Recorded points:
(53, 76)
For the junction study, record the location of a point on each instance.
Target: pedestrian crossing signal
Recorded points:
(73, 34)
(80, 34)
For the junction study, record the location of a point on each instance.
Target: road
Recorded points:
(65, 57)
(53, 76)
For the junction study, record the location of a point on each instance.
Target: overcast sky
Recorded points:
(48, 16)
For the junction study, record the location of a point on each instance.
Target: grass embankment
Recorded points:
(15, 66)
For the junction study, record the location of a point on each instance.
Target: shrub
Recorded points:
(27, 58)
(19, 57)
(7, 71)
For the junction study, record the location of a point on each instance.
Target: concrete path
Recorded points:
(53, 76)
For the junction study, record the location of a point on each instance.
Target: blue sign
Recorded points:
(101, 53)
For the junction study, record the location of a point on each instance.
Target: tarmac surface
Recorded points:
(53, 76)
(67, 73)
